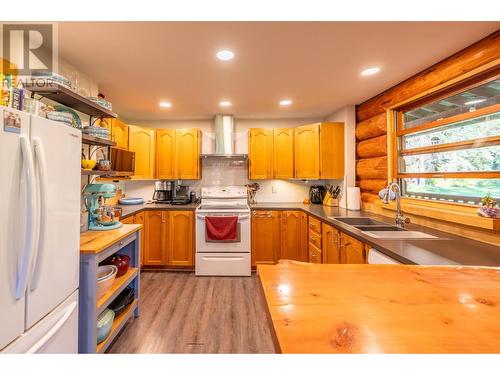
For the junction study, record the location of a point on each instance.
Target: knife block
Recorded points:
(331, 202)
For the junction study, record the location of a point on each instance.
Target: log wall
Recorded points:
(371, 118)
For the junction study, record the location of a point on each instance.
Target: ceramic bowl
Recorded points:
(88, 164)
(105, 277)
(104, 324)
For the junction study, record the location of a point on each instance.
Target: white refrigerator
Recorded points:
(39, 234)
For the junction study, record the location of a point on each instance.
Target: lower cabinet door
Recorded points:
(294, 243)
(140, 219)
(331, 248)
(155, 251)
(352, 250)
(181, 239)
(265, 237)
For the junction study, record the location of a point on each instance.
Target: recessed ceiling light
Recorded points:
(475, 101)
(164, 104)
(225, 103)
(370, 71)
(225, 55)
(285, 102)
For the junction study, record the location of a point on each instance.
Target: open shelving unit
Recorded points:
(90, 306)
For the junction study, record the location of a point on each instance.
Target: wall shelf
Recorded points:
(96, 141)
(63, 95)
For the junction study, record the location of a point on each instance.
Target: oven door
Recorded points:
(241, 245)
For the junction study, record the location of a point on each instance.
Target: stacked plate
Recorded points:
(63, 117)
(96, 131)
(52, 77)
(102, 102)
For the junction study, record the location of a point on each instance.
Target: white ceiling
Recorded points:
(316, 64)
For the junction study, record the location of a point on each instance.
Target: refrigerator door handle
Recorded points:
(29, 237)
(35, 348)
(41, 166)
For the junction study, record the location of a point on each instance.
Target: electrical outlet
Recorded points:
(274, 189)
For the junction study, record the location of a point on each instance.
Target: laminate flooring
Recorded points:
(183, 313)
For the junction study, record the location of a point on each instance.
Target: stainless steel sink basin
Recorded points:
(357, 220)
(379, 228)
(397, 234)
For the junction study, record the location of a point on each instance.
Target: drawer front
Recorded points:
(314, 254)
(315, 238)
(314, 224)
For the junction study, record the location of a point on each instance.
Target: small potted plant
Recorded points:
(489, 207)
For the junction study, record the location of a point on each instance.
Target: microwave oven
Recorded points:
(122, 161)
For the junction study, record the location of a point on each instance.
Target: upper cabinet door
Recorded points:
(119, 134)
(142, 142)
(165, 154)
(260, 154)
(188, 154)
(283, 153)
(307, 152)
(332, 150)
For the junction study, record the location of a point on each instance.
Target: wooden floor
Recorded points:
(182, 313)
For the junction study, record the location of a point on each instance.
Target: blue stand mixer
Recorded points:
(101, 216)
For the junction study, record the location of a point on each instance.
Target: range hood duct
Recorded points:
(224, 139)
(224, 135)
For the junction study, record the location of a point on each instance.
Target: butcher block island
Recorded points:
(330, 308)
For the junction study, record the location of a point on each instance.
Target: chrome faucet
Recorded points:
(401, 220)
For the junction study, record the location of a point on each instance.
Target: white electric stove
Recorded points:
(231, 258)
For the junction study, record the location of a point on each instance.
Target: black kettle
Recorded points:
(317, 193)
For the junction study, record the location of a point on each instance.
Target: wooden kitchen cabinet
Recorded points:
(330, 244)
(319, 151)
(119, 133)
(187, 151)
(294, 231)
(180, 251)
(140, 218)
(265, 237)
(156, 233)
(260, 154)
(165, 154)
(283, 153)
(142, 142)
(352, 250)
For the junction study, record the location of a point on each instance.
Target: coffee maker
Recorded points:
(317, 193)
(163, 191)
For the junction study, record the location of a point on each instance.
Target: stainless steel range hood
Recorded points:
(224, 138)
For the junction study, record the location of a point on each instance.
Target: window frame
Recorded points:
(396, 133)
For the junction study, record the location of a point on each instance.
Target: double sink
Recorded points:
(378, 229)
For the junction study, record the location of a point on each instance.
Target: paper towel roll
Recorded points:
(353, 198)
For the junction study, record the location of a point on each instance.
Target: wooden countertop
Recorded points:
(95, 241)
(330, 308)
